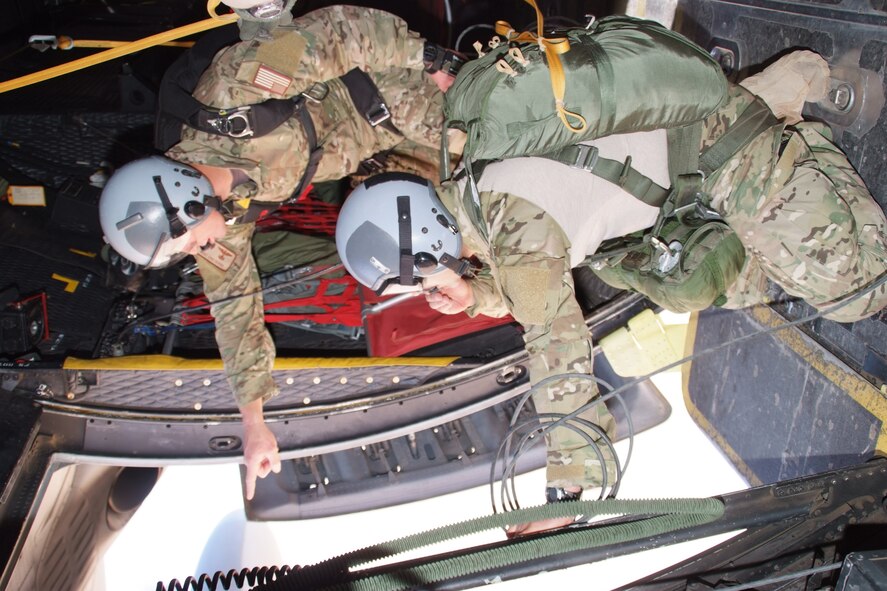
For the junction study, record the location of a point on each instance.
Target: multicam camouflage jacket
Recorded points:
(318, 47)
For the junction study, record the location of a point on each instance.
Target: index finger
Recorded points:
(250, 480)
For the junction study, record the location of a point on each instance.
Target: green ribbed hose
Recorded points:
(667, 515)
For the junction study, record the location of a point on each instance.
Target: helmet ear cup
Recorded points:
(373, 255)
(195, 210)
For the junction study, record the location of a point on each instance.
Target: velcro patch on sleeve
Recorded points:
(526, 289)
(284, 53)
(219, 255)
(271, 80)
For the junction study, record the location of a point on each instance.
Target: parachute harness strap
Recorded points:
(552, 48)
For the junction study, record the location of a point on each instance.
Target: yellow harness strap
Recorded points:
(552, 48)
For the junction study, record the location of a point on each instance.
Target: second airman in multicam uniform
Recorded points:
(307, 56)
(805, 218)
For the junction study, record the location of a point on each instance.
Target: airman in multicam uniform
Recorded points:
(804, 216)
(306, 57)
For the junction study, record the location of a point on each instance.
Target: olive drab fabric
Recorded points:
(622, 75)
(706, 259)
(318, 47)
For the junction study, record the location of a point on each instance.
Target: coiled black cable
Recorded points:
(259, 575)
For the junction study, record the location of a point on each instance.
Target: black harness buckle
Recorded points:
(378, 114)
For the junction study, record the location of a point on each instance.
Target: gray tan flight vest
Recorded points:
(541, 96)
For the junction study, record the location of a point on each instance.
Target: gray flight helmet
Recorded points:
(149, 202)
(393, 228)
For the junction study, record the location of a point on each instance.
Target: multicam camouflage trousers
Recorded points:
(805, 217)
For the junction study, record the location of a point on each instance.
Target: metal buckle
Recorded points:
(583, 161)
(316, 92)
(379, 116)
(224, 123)
(372, 165)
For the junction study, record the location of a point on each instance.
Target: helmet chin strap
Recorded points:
(405, 240)
(458, 266)
(176, 227)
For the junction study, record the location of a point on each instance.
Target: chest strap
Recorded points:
(367, 100)
(755, 119)
(619, 173)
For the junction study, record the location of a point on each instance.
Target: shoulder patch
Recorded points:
(527, 289)
(271, 80)
(219, 255)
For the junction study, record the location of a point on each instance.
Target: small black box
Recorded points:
(22, 325)
(76, 208)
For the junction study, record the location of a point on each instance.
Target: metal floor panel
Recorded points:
(779, 405)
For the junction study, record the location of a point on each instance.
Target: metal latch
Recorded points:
(227, 122)
(379, 115)
(586, 157)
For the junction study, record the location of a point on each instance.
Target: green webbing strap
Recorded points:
(620, 173)
(683, 150)
(606, 87)
(471, 195)
(444, 154)
(754, 120)
(657, 517)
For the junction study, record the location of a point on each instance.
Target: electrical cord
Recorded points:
(563, 419)
(465, 32)
(558, 420)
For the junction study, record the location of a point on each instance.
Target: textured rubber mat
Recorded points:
(779, 405)
(67, 269)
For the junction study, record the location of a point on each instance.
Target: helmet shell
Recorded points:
(368, 231)
(133, 218)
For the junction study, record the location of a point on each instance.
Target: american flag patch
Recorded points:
(271, 81)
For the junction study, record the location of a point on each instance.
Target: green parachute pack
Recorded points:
(531, 95)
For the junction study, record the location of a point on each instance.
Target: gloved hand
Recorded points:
(785, 85)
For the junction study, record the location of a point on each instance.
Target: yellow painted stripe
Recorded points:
(696, 414)
(82, 252)
(170, 363)
(70, 284)
(864, 393)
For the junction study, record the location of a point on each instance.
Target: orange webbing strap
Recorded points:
(552, 48)
(211, 6)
